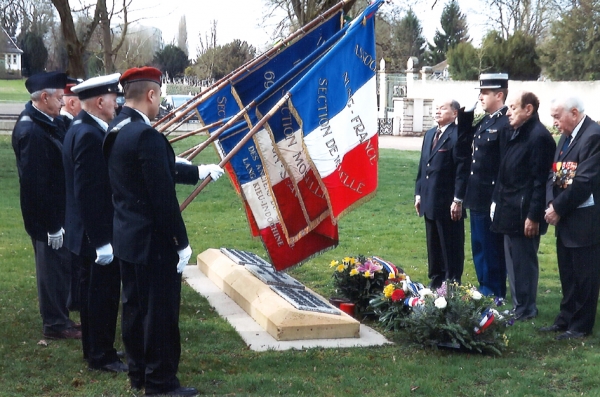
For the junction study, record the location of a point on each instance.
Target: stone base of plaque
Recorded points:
(278, 317)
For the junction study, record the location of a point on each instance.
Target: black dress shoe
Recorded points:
(116, 366)
(69, 333)
(553, 328)
(570, 335)
(180, 391)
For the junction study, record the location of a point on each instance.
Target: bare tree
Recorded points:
(205, 62)
(298, 12)
(532, 17)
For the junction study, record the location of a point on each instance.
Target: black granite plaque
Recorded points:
(302, 299)
(245, 257)
(271, 277)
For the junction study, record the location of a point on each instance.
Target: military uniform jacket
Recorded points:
(89, 213)
(443, 171)
(520, 190)
(578, 201)
(485, 160)
(37, 143)
(142, 172)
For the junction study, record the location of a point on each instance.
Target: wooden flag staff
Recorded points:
(196, 132)
(208, 92)
(236, 149)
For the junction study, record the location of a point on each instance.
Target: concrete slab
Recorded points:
(255, 336)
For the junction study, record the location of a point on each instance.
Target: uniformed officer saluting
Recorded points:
(149, 235)
(37, 142)
(487, 246)
(89, 219)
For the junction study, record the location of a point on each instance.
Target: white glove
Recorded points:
(213, 170)
(181, 160)
(55, 240)
(492, 210)
(104, 254)
(184, 257)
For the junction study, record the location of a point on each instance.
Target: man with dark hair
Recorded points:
(572, 191)
(149, 236)
(487, 246)
(37, 142)
(439, 192)
(518, 205)
(89, 220)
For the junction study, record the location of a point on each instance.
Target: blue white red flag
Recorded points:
(261, 209)
(335, 105)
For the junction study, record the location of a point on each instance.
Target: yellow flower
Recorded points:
(352, 261)
(353, 272)
(341, 268)
(392, 275)
(367, 274)
(334, 263)
(389, 290)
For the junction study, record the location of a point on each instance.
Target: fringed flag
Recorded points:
(335, 105)
(263, 215)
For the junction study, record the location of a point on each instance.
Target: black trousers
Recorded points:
(579, 270)
(150, 322)
(53, 274)
(100, 295)
(445, 249)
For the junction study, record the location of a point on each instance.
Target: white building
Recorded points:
(10, 55)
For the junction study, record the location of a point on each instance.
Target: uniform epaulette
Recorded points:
(76, 122)
(122, 124)
(25, 118)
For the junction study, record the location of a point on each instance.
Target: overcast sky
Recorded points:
(240, 19)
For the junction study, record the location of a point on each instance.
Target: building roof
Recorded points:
(7, 44)
(440, 66)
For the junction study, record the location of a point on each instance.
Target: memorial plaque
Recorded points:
(271, 277)
(245, 257)
(302, 299)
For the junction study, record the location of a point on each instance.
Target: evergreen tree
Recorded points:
(463, 62)
(573, 50)
(454, 31)
(171, 60)
(35, 53)
(407, 40)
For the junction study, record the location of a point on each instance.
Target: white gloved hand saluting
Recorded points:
(181, 160)
(104, 254)
(184, 257)
(492, 210)
(55, 240)
(213, 170)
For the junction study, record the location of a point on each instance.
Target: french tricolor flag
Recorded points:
(335, 104)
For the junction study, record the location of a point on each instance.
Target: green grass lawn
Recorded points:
(216, 360)
(13, 91)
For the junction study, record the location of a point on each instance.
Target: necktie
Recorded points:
(566, 145)
(436, 137)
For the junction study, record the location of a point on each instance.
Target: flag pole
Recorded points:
(209, 91)
(197, 131)
(237, 148)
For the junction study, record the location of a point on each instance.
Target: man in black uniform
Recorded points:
(149, 235)
(89, 217)
(72, 106)
(487, 246)
(37, 142)
(519, 199)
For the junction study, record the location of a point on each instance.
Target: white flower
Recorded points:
(476, 295)
(424, 292)
(440, 302)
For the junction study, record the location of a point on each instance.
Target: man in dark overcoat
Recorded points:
(439, 192)
(572, 191)
(89, 217)
(487, 246)
(519, 199)
(149, 236)
(37, 142)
